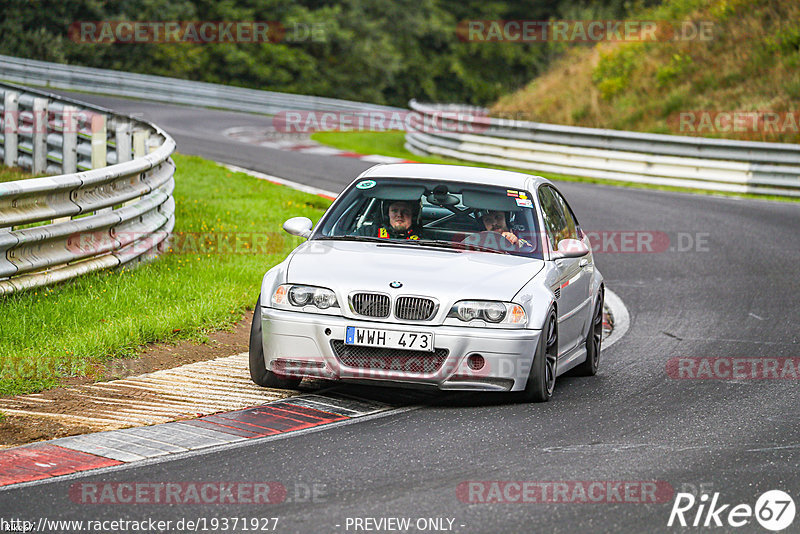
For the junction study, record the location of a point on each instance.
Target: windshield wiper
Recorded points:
(458, 245)
(438, 243)
(352, 238)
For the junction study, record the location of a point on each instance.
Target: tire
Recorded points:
(594, 340)
(258, 370)
(542, 376)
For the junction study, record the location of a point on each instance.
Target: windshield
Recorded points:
(437, 214)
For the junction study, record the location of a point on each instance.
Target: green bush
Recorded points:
(614, 69)
(678, 65)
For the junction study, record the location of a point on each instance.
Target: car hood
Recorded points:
(448, 274)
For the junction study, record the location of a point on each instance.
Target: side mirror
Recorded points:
(570, 248)
(299, 226)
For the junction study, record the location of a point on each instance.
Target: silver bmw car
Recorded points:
(444, 276)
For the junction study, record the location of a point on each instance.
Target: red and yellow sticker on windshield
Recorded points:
(521, 197)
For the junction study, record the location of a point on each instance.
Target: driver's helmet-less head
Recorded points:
(482, 213)
(416, 211)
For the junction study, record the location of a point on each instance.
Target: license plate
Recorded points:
(389, 339)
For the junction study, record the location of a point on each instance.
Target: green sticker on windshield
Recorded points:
(366, 184)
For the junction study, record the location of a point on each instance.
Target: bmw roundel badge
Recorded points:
(395, 284)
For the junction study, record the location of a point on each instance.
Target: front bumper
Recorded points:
(306, 344)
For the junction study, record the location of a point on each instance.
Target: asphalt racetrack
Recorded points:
(724, 285)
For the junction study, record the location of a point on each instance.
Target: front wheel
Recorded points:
(258, 370)
(542, 376)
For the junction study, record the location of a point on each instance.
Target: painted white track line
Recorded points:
(281, 181)
(622, 319)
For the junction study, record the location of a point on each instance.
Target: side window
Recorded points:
(554, 223)
(572, 224)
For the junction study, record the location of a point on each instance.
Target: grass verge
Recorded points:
(12, 174)
(392, 144)
(71, 329)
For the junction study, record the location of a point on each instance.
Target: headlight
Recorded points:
(494, 312)
(489, 311)
(299, 296)
(466, 310)
(324, 299)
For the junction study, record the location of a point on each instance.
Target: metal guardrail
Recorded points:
(110, 204)
(169, 90)
(467, 133)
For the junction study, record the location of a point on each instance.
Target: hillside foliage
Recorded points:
(751, 64)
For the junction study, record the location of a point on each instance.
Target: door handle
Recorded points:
(583, 263)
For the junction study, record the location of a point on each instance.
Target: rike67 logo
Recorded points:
(774, 510)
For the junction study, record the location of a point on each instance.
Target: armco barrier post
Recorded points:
(140, 138)
(69, 155)
(123, 139)
(11, 120)
(98, 141)
(39, 136)
(153, 142)
(140, 143)
(69, 147)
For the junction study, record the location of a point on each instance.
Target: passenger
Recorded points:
(496, 221)
(402, 216)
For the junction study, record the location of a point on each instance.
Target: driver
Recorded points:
(402, 215)
(495, 221)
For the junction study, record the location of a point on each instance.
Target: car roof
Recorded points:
(455, 173)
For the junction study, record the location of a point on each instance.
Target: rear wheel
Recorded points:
(258, 370)
(542, 377)
(594, 340)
